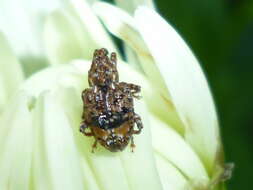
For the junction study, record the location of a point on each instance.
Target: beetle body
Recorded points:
(108, 105)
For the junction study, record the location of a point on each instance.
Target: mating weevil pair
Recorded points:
(108, 110)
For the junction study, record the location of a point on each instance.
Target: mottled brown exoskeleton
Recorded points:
(108, 105)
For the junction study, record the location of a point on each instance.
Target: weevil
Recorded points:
(108, 105)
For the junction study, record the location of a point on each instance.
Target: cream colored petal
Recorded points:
(91, 1)
(186, 82)
(132, 58)
(123, 26)
(131, 5)
(22, 22)
(90, 181)
(64, 93)
(140, 166)
(3, 96)
(66, 39)
(57, 163)
(16, 144)
(83, 12)
(104, 165)
(51, 77)
(11, 74)
(170, 176)
(172, 147)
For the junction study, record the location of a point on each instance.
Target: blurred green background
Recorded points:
(220, 32)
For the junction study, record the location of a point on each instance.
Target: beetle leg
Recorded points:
(94, 146)
(131, 88)
(134, 90)
(113, 58)
(84, 94)
(132, 145)
(137, 96)
(139, 124)
(83, 128)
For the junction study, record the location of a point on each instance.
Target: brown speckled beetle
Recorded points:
(108, 105)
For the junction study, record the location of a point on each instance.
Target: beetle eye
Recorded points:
(102, 120)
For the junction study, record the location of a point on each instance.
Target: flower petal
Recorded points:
(186, 82)
(66, 39)
(51, 77)
(3, 96)
(16, 144)
(131, 5)
(170, 176)
(143, 157)
(22, 22)
(132, 58)
(63, 95)
(57, 164)
(83, 12)
(176, 151)
(9, 65)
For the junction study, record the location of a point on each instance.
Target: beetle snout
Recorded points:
(116, 144)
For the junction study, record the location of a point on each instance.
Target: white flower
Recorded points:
(40, 143)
